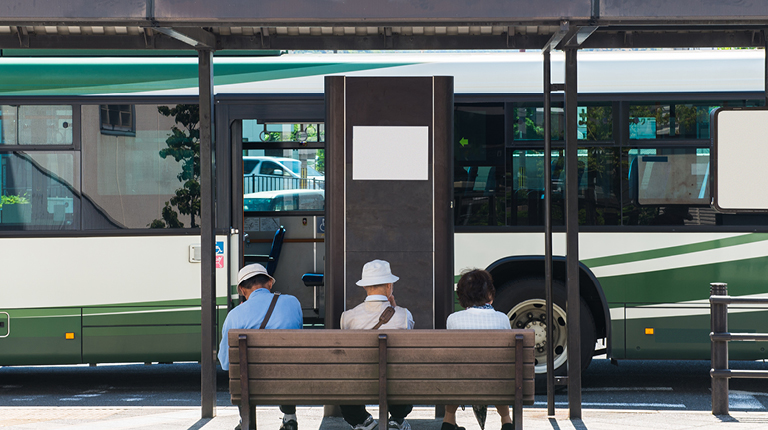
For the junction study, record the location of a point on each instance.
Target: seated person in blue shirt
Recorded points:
(476, 292)
(255, 285)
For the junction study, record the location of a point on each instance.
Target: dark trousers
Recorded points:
(286, 409)
(356, 414)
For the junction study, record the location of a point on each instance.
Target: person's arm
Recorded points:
(298, 315)
(410, 319)
(224, 346)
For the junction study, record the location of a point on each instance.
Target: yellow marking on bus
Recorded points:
(69, 336)
(648, 331)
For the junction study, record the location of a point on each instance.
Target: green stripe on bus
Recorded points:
(675, 250)
(73, 79)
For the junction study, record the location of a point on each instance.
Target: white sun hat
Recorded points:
(250, 271)
(376, 272)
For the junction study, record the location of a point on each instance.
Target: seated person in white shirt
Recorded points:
(476, 292)
(378, 282)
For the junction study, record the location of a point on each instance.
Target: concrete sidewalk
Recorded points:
(311, 418)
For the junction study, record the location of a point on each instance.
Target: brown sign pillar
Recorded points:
(389, 190)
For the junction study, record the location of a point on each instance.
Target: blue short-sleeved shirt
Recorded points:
(249, 314)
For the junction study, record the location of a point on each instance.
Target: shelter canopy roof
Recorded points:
(379, 24)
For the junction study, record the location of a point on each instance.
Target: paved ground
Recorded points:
(311, 418)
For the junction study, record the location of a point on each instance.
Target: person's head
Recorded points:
(475, 288)
(377, 278)
(251, 278)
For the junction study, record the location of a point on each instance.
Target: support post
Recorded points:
(548, 231)
(383, 412)
(572, 234)
(245, 393)
(207, 238)
(719, 324)
(517, 410)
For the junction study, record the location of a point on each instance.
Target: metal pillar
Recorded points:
(719, 324)
(572, 234)
(548, 230)
(207, 238)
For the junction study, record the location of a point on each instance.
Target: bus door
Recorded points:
(282, 168)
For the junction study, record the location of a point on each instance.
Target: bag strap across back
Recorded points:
(275, 296)
(385, 317)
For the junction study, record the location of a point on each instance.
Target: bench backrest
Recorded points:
(342, 366)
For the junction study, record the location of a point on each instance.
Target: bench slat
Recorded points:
(362, 338)
(423, 388)
(303, 399)
(478, 371)
(370, 355)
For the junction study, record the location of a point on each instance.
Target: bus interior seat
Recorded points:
(313, 279)
(274, 253)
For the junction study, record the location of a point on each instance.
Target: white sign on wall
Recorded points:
(390, 153)
(740, 159)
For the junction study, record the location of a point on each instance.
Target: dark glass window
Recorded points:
(675, 120)
(39, 191)
(479, 165)
(595, 122)
(150, 178)
(598, 187)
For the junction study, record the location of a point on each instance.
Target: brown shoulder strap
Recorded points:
(385, 317)
(275, 296)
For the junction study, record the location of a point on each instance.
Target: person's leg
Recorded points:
(450, 414)
(503, 411)
(449, 420)
(290, 422)
(354, 414)
(399, 412)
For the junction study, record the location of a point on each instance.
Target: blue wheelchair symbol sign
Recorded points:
(321, 224)
(219, 248)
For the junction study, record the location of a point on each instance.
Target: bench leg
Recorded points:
(383, 412)
(247, 415)
(517, 411)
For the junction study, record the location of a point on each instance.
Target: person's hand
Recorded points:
(391, 299)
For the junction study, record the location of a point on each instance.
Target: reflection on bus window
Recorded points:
(35, 125)
(39, 191)
(147, 178)
(598, 187)
(667, 186)
(283, 179)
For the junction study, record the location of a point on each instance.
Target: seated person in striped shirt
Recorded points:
(476, 293)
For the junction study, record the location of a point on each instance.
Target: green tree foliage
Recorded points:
(183, 145)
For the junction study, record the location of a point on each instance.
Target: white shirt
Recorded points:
(478, 319)
(366, 315)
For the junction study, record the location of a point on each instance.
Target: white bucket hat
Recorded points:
(250, 271)
(376, 272)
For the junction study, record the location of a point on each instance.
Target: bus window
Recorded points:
(39, 191)
(35, 125)
(667, 186)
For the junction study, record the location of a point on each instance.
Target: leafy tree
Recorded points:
(184, 146)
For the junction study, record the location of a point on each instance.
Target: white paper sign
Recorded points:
(390, 153)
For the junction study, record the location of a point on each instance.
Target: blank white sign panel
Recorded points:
(742, 160)
(390, 153)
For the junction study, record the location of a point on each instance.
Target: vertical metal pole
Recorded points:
(572, 234)
(719, 319)
(207, 238)
(765, 68)
(548, 231)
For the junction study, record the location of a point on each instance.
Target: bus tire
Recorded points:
(523, 300)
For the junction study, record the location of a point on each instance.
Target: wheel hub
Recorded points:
(539, 333)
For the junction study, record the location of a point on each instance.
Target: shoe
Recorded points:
(508, 426)
(449, 426)
(368, 424)
(393, 425)
(289, 425)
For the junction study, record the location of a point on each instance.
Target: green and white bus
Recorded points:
(99, 237)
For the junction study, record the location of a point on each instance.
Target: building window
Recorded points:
(118, 120)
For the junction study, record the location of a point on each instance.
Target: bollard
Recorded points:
(719, 320)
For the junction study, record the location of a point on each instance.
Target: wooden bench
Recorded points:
(421, 367)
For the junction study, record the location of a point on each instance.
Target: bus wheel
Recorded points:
(523, 300)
